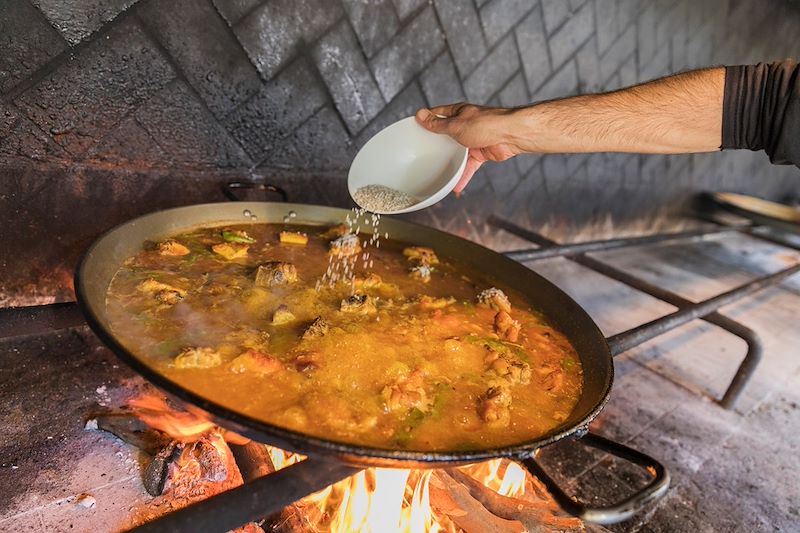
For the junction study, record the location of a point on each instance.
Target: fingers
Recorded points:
(436, 119)
(471, 167)
(431, 121)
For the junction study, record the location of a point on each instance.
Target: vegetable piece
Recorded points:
(495, 299)
(230, 251)
(293, 237)
(172, 248)
(237, 236)
(198, 358)
(503, 347)
(275, 273)
(256, 362)
(282, 316)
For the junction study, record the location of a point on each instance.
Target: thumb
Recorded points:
(431, 121)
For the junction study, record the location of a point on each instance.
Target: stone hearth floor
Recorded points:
(731, 470)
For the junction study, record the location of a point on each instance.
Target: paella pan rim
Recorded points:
(94, 274)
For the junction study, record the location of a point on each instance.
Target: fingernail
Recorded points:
(437, 115)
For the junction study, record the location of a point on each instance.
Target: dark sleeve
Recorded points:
(761, 110)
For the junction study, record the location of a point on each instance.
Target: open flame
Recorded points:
(375, 500)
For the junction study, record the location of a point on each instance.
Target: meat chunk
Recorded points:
(275, 273)
(507, 369)
(345, 245)
(198, 358)
(255, 362)
(230, 251)
(306, 362)
(421, 255)
(506, 327)
(495, 299)
(430, 303)
(318, 328)
(421, 273)
(551, 376)
(282, 315)
(172, 248)
(334, 232)
(162, 292)
(494, 407)
(407, 393)
(359, 304)
(371, 281)
(293, 237)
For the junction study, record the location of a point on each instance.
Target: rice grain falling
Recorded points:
(382, 199)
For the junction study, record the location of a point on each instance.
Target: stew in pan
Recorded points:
(413, 351)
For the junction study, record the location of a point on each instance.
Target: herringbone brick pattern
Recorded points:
(118, 88)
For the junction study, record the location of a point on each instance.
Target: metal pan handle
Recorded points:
(230, 189)
(617, 512)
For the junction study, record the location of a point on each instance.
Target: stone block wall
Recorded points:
(110, 108)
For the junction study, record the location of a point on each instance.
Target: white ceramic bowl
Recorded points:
(407, 157)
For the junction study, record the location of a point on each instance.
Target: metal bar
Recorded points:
(754, 345)
(39, 319)
(616, 512)
(567, 250)
(253, 500)
(628, 339)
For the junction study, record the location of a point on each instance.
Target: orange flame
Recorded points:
(374, 500)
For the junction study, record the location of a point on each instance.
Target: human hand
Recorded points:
(483, 130)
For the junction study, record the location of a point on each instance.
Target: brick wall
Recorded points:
(122, 106)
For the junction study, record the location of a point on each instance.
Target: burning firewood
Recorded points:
(453, 499)
(535, 516)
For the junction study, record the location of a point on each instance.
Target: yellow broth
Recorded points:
(406, 376)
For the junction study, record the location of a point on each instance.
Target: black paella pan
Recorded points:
(329, 460)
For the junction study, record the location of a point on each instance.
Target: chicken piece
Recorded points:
(431, 303)
(508, 370)
(250, 338)
(335, 232)
(421, 255)
(407, 393)
(371, 281)
(318, 328)
(421, 273)
(551, 376)
(359, 304)
(172, 248)
(494, 407)
(230, 250)
(162, 292)
(255, 362)
(275, 273)
(506, 327)
(495, 299)
(282, 315)
(293, 237)
(345, 245)
(198, 358)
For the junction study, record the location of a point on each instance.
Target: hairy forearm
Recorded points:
(677, 114)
